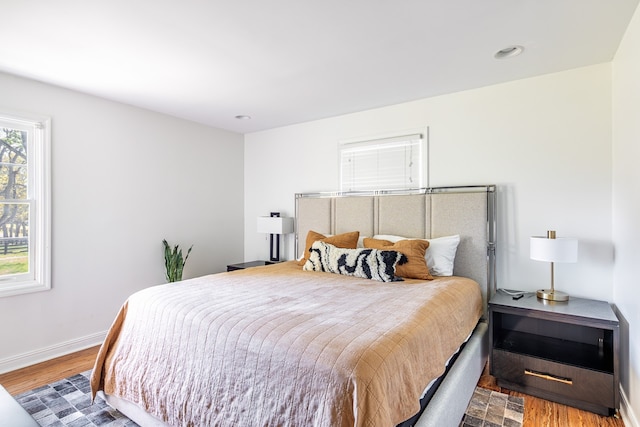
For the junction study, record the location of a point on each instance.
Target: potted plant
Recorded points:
(173, 261)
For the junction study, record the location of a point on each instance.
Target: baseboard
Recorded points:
(43, 354)
(626, 411)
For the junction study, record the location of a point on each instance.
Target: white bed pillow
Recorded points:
(440, 254)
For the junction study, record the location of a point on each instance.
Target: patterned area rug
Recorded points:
(68, 403)
(493, 409)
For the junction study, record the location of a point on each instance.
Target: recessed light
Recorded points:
(508, 52)
(243, 117)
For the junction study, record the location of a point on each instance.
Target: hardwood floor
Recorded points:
(537, 413)
(28, 378)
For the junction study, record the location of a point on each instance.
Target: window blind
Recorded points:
(382, 164)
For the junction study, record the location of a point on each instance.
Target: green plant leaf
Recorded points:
(174, 261)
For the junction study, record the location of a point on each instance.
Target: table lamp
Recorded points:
(275, 225)
(552, 249)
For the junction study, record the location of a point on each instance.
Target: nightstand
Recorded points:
(243, 265)
(566, 352)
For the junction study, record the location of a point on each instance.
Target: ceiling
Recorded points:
(290, 61)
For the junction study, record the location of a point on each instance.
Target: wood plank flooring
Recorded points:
(538, 412)
(28, 378)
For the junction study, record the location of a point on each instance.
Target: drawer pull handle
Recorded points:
(548, 377)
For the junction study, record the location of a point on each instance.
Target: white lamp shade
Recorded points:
(275, 225)
(561, 249)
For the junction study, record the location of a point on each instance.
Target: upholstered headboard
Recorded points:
(422, 213)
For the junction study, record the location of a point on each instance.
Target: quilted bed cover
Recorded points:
(278, 346)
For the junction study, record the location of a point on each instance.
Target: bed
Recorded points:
(283, 345)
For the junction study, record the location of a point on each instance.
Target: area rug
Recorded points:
(492, 409)
(68, 403)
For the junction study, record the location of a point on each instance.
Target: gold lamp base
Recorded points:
(552, 295)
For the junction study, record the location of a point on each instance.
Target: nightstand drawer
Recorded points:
(557, 378)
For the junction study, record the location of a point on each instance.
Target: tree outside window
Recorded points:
(14, 214)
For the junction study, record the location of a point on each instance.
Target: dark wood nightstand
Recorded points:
(249, 264)
(566, 352)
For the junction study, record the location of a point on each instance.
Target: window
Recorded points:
(25, 249)
(382, 164)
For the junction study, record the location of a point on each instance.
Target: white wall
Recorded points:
(626, 208)
(123, 179)
(545, 141)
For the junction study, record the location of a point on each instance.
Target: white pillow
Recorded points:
(440, 254)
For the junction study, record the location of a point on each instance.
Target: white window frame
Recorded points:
(376, 170)
(38, 278)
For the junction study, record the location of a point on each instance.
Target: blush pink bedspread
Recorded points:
(278, 346)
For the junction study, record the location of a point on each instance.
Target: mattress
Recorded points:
(275, 346)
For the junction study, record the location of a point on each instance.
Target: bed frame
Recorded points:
(427, 213)
(423, 213)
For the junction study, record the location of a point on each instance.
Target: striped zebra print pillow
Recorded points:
(372, 264)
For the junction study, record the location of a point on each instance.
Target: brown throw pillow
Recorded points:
(413, 249)
(346, 240)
